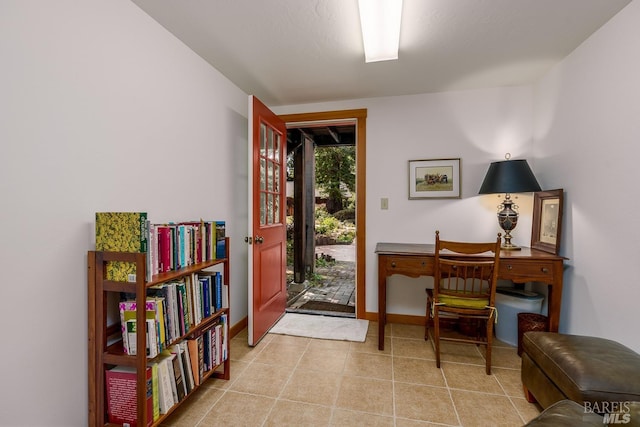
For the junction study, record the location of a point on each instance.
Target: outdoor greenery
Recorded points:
(335, 173)
(335, 219)
(329, 226)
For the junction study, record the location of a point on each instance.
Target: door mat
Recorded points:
(328, 306)
(322, 327)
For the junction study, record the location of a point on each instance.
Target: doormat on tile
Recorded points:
(323, 327)
(328, 306)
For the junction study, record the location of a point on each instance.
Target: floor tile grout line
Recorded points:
(291, 374)
(351, 350)
(393, 383)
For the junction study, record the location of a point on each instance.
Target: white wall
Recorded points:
(477, 126)
(101, 110)
(96, 95)
(587, 134)
(579, 130)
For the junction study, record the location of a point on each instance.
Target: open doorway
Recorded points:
(321, 219)
(326, 122)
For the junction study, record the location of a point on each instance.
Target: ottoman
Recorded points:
(579, 368)
(567, 413)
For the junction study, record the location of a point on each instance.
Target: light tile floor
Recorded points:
(294, 381)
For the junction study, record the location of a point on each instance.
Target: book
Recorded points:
(218, 333)
(161, 321)
(169, 357)
(164, 248)
(183, 306)
(152, 251)
(218, 291)
(198, 240)
(163, 294)
(121, 232)
(155, 391)
(165, 390)
(206, 287)
(195, 301)
(193, 356)
(128, 319)
(178, 371)
(121, 388)
(220, 240)
(188, 370)
(225, 332)
(210, 240)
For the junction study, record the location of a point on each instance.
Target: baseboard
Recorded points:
(238, 327)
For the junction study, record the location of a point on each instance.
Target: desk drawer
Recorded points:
(409, 265)
(525, 271)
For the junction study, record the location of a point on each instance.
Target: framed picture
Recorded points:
(547, 220)
(434, 179)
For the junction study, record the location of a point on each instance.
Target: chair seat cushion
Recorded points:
(463, 302)
(586, 368)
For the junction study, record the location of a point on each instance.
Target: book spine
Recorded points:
(178, 367)
(218, 279)
(193, 357)
(155, 391)
(220, 242)
(164, 249)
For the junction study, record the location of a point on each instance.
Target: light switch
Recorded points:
(384, 203)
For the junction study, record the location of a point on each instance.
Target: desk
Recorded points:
(525, 265)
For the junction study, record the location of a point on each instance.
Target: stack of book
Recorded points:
(171, 375)
(172, 309)
(169, 246)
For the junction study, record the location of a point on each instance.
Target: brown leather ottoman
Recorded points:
(567, 413)
(580, 368)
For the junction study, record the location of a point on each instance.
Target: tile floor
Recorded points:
(294, 381)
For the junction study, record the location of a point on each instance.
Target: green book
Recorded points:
(121, 232)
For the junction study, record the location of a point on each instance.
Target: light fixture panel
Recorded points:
(380, 22)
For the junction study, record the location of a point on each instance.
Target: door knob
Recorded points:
(258, 239)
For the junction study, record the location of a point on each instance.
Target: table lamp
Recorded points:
(509, 176)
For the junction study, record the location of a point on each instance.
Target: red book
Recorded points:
(121, 395)
(164, 249)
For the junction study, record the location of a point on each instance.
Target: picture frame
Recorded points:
(546, 229)
(434, 179)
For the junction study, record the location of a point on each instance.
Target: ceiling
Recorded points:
(289, 52)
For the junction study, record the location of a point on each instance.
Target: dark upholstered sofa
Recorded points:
(602, 376)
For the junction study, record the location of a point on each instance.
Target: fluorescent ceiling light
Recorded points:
(380, 23)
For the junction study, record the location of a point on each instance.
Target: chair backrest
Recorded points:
(466, 269)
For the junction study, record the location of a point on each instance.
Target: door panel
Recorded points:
(267, 255)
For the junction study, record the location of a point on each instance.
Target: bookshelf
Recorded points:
(105, 338)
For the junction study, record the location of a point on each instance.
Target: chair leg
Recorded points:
(436, 335)
(428, 316)
(489, 342)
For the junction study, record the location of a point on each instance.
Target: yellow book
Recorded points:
(121, 232)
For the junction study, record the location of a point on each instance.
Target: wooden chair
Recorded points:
(464, 288)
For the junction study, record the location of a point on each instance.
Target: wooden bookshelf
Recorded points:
(105, 338)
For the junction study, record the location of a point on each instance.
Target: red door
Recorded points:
(267, 220)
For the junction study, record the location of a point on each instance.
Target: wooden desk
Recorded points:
(525, 265)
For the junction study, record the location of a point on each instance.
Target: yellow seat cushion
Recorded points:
(462, 302)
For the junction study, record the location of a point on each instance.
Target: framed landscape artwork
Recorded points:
(547, 220)
(434, 179)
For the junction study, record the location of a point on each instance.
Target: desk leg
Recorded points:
(555, 301)
(382, 302)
